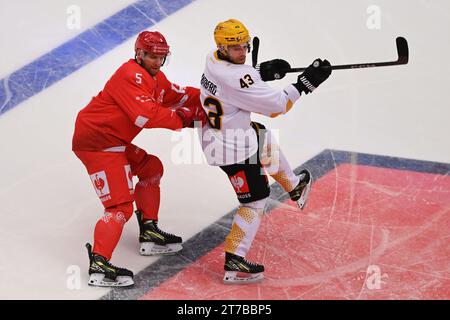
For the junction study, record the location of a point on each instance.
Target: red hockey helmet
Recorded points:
(152, 42)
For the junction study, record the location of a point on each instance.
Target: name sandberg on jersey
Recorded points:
(229, 93)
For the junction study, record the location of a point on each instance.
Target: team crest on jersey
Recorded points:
(152, 97)
(239, 182)
(144, 98)
(100, 184)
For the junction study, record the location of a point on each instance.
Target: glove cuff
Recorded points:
(306, 83)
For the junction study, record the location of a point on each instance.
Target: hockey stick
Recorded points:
(403, 58)
(255, 51)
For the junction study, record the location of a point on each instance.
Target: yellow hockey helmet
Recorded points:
(231, 32)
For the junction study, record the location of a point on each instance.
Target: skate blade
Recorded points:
(150, 249)
(231, 277)
(99, 280)
(305, 194)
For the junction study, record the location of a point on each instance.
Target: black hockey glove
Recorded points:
(273, 69)
(313, 76)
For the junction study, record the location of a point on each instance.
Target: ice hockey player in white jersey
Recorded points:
(245, 150)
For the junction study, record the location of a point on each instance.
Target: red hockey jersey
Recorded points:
(131, 100)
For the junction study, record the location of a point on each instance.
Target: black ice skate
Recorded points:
(236, 264)
(104, 274)
(301, 191)
(155, 241)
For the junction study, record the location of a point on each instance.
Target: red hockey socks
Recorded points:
(109, 228)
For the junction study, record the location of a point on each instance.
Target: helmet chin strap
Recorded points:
(222, 53)
(139, 58)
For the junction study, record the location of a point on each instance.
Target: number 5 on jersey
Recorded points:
(138, 78)
(214, 117)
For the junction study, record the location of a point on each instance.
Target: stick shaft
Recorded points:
(352, 66)
(402, 52)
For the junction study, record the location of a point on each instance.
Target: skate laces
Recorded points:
(165, 234)
(251, 264)
(303, 180)
(109, 264)
(106, 262)
(302, 176)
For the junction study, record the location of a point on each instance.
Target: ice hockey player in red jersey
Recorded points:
(137, 96)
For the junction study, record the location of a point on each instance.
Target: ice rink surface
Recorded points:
(377, 225)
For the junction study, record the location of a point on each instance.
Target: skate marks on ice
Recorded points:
(385, 244)
(363, 218)
(374, 228)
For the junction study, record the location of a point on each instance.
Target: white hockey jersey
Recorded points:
(229, 94)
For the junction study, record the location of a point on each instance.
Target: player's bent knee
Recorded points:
(151, 170)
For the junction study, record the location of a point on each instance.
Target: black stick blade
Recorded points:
(402, 50)
(255, 51)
